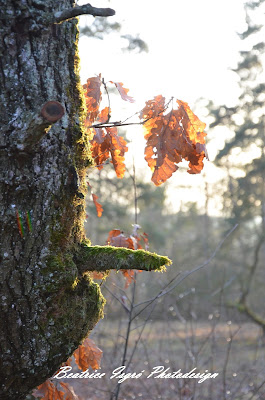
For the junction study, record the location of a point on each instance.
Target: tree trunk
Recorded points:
(48, 301)
(47, 307)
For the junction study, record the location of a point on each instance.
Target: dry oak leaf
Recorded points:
(48, 391)
(117, 150)
(123, 92)
(88, 355)
(117, 238)
(129, 277)
(106, 143)
(93, 97)
(69, 392)
(99, 207)
(100, 145)
(103, 116)
(97, 275)
(171, 138)
(144, 236)
(153, 108)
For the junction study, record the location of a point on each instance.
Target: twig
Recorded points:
(119, 123)
(127, 337)
(224, 286)
(140, 334)
(252, 270)
(231, 337)
(257, 389)
(116, 297)
(188, 273)
(106, 90)
(70, 13)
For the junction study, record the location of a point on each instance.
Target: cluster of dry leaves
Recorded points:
(171, 136)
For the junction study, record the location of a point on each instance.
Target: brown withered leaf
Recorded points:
(100, 146)
(153, 108)
(48, 391)
(93, 97)
(69, 392)
(123, 92)
(99, 207)
(146, 240)
(113, 233)
(97, 275)
(129, 277)
(88, 355)
(171, 138)
(117, 149)
(117, 238)
(106, 143)
(191, 123)
(104, 115)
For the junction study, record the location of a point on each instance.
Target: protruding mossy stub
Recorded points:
(103, 258)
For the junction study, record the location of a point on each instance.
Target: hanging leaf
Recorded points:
(69, 392)
(123, 92)
(88, 355)
(129, 277)
(93, 97)
(171, 138)
(48, 391)
(117, 149)
(144, 236)
(100, 146)
(104, 115)
(106, 143)
(99, 207)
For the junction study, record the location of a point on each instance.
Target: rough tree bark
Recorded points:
(48, 301)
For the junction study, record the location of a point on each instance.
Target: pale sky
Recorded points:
(192, 44)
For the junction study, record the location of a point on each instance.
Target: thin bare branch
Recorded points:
(252, 269)
(70, 13)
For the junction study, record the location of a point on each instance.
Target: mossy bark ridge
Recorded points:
(48, 304)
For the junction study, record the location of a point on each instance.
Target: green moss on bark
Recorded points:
(103, 258)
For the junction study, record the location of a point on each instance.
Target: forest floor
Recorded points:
(235, 352)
